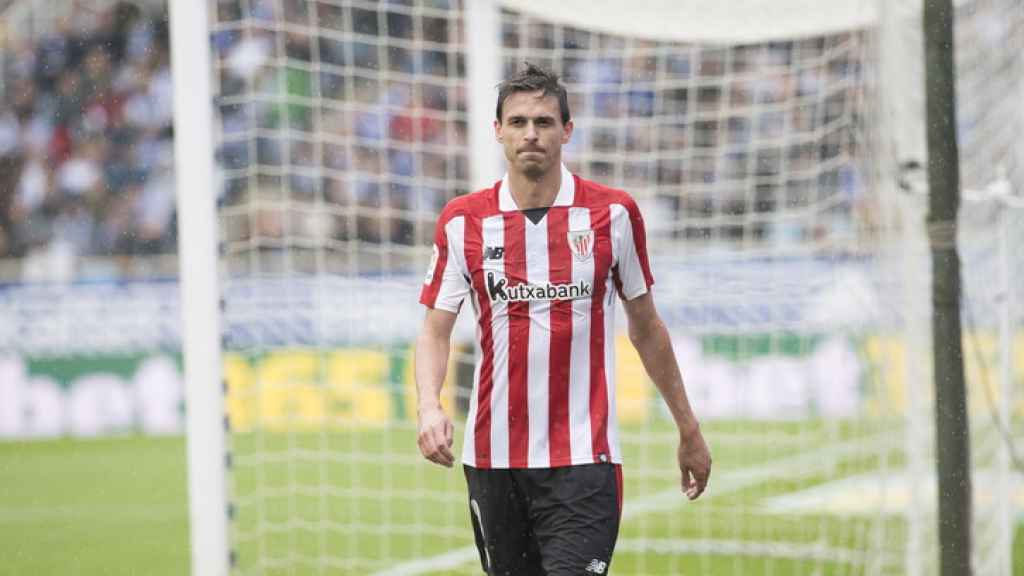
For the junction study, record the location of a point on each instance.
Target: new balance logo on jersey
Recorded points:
(499, 290)
(597, 566)
(493, 252)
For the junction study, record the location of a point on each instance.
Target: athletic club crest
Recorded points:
(581, 243)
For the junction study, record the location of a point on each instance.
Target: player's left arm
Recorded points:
(651, 339)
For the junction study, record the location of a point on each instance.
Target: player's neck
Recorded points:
(540, 193)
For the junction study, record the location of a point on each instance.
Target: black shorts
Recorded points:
(546, 521)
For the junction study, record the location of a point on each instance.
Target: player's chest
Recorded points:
(565, 255)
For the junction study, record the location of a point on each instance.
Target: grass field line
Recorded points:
(851, 495)
(721, 484)
(766, 549)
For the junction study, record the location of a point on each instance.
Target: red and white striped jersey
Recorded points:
(544, 389)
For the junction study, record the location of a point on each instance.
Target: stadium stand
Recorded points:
(86, 138)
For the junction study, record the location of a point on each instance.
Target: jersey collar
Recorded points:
(566, 192)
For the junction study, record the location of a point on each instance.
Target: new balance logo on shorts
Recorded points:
(596, 566)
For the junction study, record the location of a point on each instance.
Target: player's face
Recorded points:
(532, 133)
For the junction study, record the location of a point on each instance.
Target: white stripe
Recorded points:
(475, 507)
(494, 236)
(453, 286)
(631, 273)
(456, 231)
(609, 371)
(540, 346)
(579, 358)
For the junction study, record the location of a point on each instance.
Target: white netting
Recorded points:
(343, 129)
(343, 133)
(748, 143)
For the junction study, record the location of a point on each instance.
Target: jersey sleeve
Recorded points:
(632, 272)
(445, 285)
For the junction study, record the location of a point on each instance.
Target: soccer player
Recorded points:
(540, 256)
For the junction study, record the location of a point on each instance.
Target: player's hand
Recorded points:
(435, 436)
(694, 463)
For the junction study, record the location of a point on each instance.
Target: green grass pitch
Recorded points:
(119, 506)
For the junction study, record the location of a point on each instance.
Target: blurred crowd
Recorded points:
(345, 125)
(723, 138)
(340, 125)
(86, 139)
(374, 125)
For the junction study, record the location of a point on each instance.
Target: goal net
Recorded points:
(771, 150)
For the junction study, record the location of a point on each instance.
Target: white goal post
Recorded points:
(771, 145)
(200, 287)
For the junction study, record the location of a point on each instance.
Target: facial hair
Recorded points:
(534, 171)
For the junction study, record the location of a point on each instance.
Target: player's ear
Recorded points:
(567, 132)
(497, 130)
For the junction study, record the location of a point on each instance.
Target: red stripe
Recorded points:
(559, 272)
(518, 344)
(600, 223)
(474, 261)
(618, 482)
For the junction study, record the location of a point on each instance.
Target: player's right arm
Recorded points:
(432, 348)
(444, 288)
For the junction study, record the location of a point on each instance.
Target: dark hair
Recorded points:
(531, 79)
